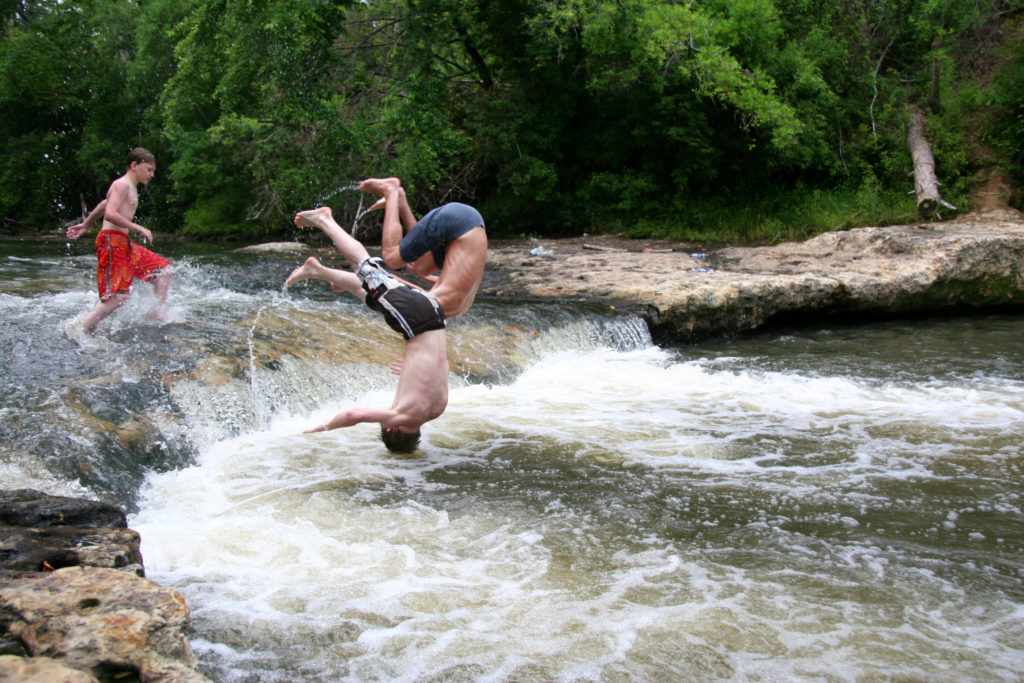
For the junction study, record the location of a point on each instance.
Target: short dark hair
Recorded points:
(141, 155)
(398, 441)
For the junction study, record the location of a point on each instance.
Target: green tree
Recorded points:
(249, 111)
(553, 116)
(1005, 96)
(62, 90)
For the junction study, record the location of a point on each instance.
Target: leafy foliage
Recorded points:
(552, 116)
(1006, 97)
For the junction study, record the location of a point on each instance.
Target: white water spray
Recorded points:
(322, 198)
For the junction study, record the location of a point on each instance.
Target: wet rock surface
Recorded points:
(74, 603)
(975, 262)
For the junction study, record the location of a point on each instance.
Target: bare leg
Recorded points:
(384, 188)
(405, 211)
(340, 280)
(396, 214)
(161, 283)
(102, 310)
(323, 218)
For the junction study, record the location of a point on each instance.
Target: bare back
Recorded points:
(422, 393)
(463, 270)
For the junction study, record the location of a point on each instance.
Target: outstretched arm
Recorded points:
(77, 230)
(354, 416)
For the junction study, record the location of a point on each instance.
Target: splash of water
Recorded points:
(361, 212)
(322, 198)
(259, 407)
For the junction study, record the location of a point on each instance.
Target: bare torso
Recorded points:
(463, 270)
(422, 393)
(124, 198)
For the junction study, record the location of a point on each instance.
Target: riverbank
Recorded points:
(975, 262)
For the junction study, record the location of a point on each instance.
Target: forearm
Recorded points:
(95, 214)
(79, 229)
(352, 416)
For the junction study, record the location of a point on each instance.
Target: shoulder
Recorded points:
(119, 186)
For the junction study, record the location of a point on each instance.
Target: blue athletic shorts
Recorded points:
(434, 231)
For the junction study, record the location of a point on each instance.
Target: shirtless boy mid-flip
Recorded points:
(119, 260)
(451, 239)
(422, 392)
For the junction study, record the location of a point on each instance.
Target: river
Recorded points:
(839, 504)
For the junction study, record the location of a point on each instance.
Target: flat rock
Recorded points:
(40, 670)
(49, 548)
(29, 508)
(975, 262)
(274, 247)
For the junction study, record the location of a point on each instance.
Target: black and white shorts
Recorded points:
(407, 310)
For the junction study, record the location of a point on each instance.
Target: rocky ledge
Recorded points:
(75, 605)
(975, 262)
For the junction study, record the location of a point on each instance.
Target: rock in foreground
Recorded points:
(74, 599)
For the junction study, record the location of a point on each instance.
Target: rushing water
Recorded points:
(814, 505)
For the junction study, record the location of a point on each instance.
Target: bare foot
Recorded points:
(380, 186)
(313, 218)
(307, 271)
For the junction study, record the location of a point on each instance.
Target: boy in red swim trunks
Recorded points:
(119, 259)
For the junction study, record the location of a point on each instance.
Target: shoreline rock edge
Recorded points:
(74, 601)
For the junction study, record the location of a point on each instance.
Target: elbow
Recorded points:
(392, 257)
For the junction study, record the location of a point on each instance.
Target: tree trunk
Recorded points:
(926, 185)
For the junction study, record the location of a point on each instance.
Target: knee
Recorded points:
(117, 299)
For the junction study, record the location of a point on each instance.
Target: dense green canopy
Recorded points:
(552, 116)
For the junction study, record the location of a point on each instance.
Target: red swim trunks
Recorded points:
(119, 261)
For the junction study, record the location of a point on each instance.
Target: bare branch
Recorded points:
(874, 85)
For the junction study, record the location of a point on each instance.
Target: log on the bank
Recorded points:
(926, 183)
